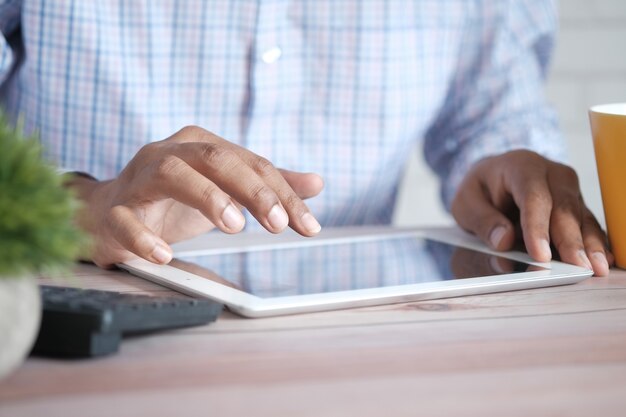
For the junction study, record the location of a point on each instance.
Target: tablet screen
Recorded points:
(347, 266)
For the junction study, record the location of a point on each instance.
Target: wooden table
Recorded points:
(557, 351)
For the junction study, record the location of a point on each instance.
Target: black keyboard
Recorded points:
(85, 323)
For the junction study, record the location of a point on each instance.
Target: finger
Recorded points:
(532, 196)
(565, 229)
(474, 212)
(198, 192)
(610, 258)
(233, 175)
(305, 185)
(135, 237)
(596, 246)
(300, 217)
(267, 195)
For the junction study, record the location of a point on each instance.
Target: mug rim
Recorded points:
(617, 109)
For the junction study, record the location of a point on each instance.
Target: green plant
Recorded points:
(37, 233)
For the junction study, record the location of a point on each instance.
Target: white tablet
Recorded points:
(258, 275)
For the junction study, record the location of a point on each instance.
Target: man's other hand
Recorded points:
(521, 194)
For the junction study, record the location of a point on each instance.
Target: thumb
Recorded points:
(474, 212)
(306, 185)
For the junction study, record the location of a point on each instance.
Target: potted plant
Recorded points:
(37, 236)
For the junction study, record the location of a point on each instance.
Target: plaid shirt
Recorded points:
(342, 88)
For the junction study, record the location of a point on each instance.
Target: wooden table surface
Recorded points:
(558, 351)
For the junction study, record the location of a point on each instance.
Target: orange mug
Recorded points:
(608, 127)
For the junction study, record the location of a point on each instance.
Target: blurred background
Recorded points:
(589, 67)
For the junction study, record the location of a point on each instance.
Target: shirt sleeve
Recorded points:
(496, 99)
(9, 22)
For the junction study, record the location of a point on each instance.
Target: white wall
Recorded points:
(589, 68)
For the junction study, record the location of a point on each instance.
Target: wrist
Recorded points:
(81, 183)
(86, 188)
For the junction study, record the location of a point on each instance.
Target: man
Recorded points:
(339, 88)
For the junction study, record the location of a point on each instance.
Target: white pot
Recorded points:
(20, 316)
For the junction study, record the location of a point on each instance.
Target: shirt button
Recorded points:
(271, 55)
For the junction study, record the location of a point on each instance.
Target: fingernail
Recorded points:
(278, 218)
(545, 249)
(310, 223)
(583, 257)
(601, 258)
(232, 218)
(161, 255)
(496, 235)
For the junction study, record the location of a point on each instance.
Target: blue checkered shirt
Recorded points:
(342, 88)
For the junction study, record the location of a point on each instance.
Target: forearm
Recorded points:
(85, 188)
(498, 102)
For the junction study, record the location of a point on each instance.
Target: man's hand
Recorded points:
(521, 189)
(187, 185)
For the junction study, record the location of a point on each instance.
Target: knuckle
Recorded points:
(261, 194)
(167, 166)
(568, 175)
(522, 161)
(213, 154)
(526, 155)
(595, 241)
(570, 203)
(590, 220)
(533, 156)
(564, 245)
(139, 243)
(293, 203)
(209, 196)
(192, 131)
(148, 151)
(567, 206)
(534, 198)
(263, 167)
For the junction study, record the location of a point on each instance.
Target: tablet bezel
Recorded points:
(249, 305)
